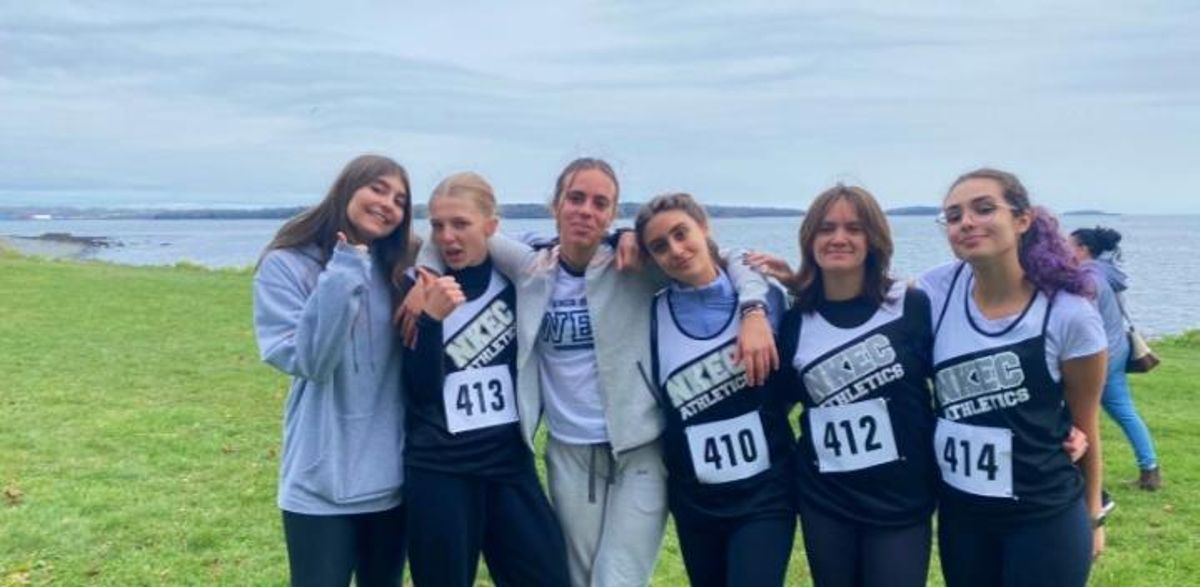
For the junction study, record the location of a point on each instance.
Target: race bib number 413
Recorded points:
(975, 459)
(728, 450)
(479, 398)
(852, 437)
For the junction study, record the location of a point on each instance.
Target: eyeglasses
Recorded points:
(981, 211)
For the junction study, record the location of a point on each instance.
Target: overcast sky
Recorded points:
(115, 102)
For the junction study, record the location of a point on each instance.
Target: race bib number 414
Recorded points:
(728, 450)
(974, 459)
(479, 398)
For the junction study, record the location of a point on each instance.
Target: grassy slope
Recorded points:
(139, 436)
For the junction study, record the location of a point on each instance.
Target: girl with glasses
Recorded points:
(1019, 356)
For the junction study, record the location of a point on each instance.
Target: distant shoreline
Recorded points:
(514, 211)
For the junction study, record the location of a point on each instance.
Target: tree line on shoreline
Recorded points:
(522, 211)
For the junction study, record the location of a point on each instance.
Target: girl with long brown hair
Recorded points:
(324, 292)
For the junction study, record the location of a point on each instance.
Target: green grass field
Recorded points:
(139, 437)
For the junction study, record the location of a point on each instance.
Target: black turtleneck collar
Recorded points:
(847, 313)
(473, 280)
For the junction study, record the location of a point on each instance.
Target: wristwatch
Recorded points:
(1098, 521)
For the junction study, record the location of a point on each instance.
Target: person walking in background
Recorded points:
(726, 443)
(471, 485)
(323, 304)
(1098, 251)
(1019, 355)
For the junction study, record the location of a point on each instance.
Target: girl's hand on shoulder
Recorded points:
(409, 311)
(768, 265)
(756, 346)
(629, 255)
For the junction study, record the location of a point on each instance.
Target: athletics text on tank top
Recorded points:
(863, 450)
(1002, 416)
(726, 446)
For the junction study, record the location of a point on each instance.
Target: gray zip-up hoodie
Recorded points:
(1110, 284)
(330, 329)
(619, 304)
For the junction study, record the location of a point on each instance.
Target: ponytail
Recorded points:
(1047, 259)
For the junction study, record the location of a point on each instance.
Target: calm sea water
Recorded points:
(1161, 253)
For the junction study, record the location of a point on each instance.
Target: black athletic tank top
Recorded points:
(727, 447)
(1002, 417)
(863, 450)
(460, 383)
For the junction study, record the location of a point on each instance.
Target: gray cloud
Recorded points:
(264, 100)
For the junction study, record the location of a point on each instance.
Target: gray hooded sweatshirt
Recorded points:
(1110, 283)
(330, 329)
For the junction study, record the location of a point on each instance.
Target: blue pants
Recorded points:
(1050, 552)
(324, 551)
(453, 518)
(751, 553)
(1118, 402)
(845, 553)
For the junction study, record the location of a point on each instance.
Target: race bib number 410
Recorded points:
(728, 450)
(479, 398)
(852, 437)
(975, 459)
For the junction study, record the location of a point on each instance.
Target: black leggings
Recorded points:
(1050, 552)
(452, 518)
(752, 552)
(324, 551)
(844, 553)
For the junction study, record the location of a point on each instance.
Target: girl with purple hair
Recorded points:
(1019, 356)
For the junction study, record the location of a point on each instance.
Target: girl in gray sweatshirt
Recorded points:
(323, 298)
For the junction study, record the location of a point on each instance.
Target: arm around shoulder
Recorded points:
(511, 257)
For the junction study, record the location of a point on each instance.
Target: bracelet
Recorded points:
(1098, 521)
(752, 307)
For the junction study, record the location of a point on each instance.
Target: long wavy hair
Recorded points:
(1044, 254)
(808, 285)
(320, 224)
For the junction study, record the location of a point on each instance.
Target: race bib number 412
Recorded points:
(852, 437)
(728, 450)
(479, 398)
(974, 459)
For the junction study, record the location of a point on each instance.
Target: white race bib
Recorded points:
(728, 450)
(974, 459)
(479, 398)
(852, 437)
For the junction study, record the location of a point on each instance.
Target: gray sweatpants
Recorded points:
(613, 512)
